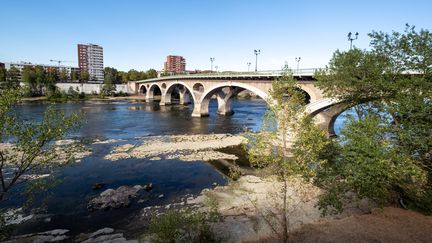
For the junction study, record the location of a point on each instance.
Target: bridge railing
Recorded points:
(295, 72)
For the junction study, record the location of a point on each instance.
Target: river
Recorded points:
(65, 205)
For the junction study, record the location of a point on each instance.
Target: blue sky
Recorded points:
(140, 34)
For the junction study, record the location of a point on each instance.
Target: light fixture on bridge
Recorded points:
(350, 38)
(257, 52)
(248, 64)
(212, 60)
(298, 62)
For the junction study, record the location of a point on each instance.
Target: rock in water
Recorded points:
(111, 198)
(148, 187)
(98, 185)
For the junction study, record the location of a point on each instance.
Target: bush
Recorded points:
(182, 226)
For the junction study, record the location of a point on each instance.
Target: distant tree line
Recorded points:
(38, 78)
(9, 78)
(113, 76)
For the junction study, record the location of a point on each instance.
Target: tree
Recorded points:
(63, 75)
(52, 77)
(84, 75)
(29, 78)
(40, 78)
(108, 89)
(152, 73)
(111, 75)
(13, 76)
(3, 75)
(385, 153)
(74, 76)
(124, 77)
(134, 75)
(33, 149)
(289, 143)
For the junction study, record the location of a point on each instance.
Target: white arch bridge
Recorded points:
(199, 89)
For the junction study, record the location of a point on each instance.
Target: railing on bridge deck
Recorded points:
(269, 73)
(295, 72)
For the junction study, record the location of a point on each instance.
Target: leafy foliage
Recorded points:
(386, 154)
(289, 143)
(32, 147)
(182, 226)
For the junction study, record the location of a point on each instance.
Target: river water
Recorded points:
(65, 205)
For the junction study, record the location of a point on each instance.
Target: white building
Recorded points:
(90, 59)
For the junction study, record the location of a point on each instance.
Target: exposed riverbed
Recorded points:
(133, 145)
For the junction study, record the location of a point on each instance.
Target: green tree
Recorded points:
(111, 75)
(84, 76)
(134, 75)
(108, 89)
(33, 149)
(13, 76)
(52, 77)
(29, 78)
(63, 75)
(124, 77)
(387, 151)
(40, 78)
(289, 142)
(3, 74)
(74, 76)
(152, 73)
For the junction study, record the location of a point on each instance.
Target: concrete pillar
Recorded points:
(184, 97)
(165, 99)
(224, 103)
(224, 98)
(200, 110)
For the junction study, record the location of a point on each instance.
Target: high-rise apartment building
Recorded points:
(90, 59)
(175, 64)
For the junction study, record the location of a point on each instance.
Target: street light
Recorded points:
(248, 64)
(212, 60)
(216, 68)
(257, 52)
(350, 38)
(298, 61)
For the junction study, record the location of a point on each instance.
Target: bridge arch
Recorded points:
(199, 87)
(224, 92)
(143, 90)
(326, 111)
(153, 91)
(184, 91)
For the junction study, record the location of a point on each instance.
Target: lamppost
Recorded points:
(298, 62)
(257, 52)
(350, 38)
(212, 60)
(248, 64)
(216, 68)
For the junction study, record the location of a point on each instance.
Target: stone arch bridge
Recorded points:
(200, 89)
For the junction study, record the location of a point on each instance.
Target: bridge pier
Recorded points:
(224, 102)
(184, 97)
(200, 110)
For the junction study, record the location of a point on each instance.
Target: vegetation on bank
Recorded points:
(28, 148)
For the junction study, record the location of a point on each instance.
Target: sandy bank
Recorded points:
(183, 147)
(251, 207)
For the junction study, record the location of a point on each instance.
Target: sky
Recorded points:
(139, 34)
